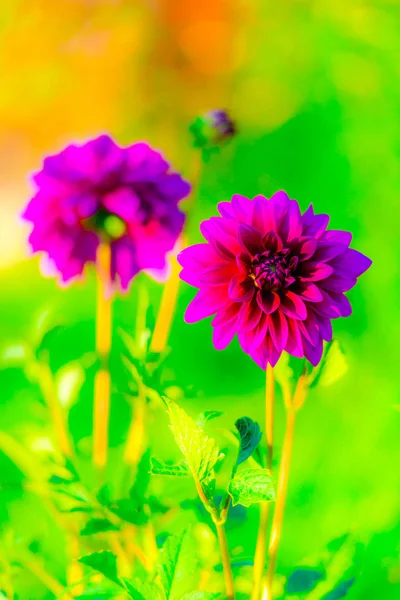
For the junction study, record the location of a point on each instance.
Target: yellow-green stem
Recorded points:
(137, 429)
(46, 383)
(280, 503)
(167, 306)
(170, 293)
(261, 546)
(102, 384)
(226, 563)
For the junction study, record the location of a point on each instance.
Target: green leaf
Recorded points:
(340, 591)
(251, 486)
(98, 526)
(128, 510)
(302, 580)
(139, 489)
(104, 562)
(201, 596)
(200, 451)
(250, 437)
(208, 415)
(333, 366)
(15, 355)
(141, 590)
(69, 380)
(176, 569)
(159, 467)
(283, 373)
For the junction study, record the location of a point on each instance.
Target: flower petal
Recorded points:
(293, 306)
(204, 304)
(267, 301)
(241, 288)
(250, 238)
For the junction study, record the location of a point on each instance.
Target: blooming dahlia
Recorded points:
(99, 192)
(271, 275)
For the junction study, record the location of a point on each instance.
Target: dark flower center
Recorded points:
(108, 225)
(273, 270)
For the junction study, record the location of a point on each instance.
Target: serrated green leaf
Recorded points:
(251, 486)
(200, 451)
(128, 510)
(333, 366)
(98, 526)
(141, 590)
(103, 562)
(176, 569)
(159, 467)
(250, 437)
(68, 381)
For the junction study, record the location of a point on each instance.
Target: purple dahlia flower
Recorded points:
(99, 192)
(271, 275)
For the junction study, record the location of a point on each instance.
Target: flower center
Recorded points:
(108, 225)
(273, 270)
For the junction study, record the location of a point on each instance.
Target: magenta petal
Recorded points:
(306, 248)
(338, 284)
(293, 306)
(124, 263)
(223, 334)
(198, 256)
(278, 329)
(249, 315)
(337, 237)
(328, 251)
(267, 301)
(243, 261)
(310, 292)
(294, 344)
(122, 202)
(314, 225)
(241, 288)
(291, 226)
(314, 271)
(204, 304)
(313, 353)
(250, 238)
(272, 241)
(353, 262)
(241, 207)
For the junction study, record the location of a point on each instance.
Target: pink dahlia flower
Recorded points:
(272, 276)
(127, 197)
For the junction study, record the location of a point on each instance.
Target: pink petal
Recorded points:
(278, 329)
(267, 301)
(204, 304)
(293, 306)
(250, 238)
(241, 288)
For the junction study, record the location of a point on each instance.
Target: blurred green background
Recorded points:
(314, 88)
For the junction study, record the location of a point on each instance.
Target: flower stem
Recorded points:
(226, 563)
(137, 430)
(170, 293)
(291, 409)
(46, 383)
(167, 308)
(102, 384)
(219, 519)
(261, 546)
